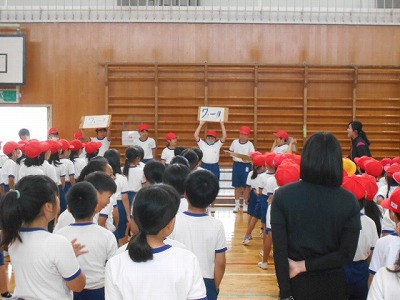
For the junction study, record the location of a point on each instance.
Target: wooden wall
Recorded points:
(66, 62)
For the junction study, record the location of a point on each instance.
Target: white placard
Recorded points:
(213, 114)
(128, 137)
(12, 59)
(98, 121)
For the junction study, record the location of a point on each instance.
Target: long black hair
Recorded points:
(153, 209)
(357, 126)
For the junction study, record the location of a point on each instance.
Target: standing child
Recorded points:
(175, 175)
(99, 242)
(9, 169)
(45, 265)
(54, 160)
(79, 162)
(133, 171)
(211, 148)
(200, 233)
(147, 143)
(168, 152)
(103, 138)
(150, 269)
(92, 149)
(69, 165)
(241, 168)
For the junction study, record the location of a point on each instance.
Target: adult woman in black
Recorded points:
(316, 224)
(359, 140)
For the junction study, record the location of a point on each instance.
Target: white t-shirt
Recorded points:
(385, 285)
(105, 144)
(32, 170)
(203, 235)
(107, 212)
(238, 147)
(172, 274)
(167, 241)
(50, 171)
(385, 253)
(70, 169)
(64, 219)
(147, 145)
(367, 239)
(210, 152)
(9, 169)
(254, 183)
(101, 246)
(266, 184)
(388, 225)
(183, 205)
(42, 264)
(281, 149)
(122, 186)
(61, 171)
(135, 178)
(167, 154)
(79, 164)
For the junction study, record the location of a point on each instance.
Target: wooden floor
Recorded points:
(243, 278)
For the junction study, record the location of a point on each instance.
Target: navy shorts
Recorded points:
(257, 209)
(212, 292)
(264, 207)
(120, 232)
(239, 174)
(357, 275)
(131, 197)
(97, 294)
(1, 258)
(214, 168)
(252, 203)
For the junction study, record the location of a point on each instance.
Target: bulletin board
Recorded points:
(12, 59)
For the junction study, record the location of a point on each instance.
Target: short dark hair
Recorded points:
(175, 175)
(201, 188)
(97, 163)
(321, 161)
(82, 200)
(180, 160)
(102, 182)
(191, 156)
(23, 131)
(199, 152)
(178, 150)
(114, 159)
(153, 171)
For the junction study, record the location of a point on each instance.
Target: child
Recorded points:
(103, 138)
(24, 134)
(121, 195)
(175, 175)
(79, 162)
(8, 171)
(150, 269)
(44, 264)
(133, 171)
(153, 172)
(282, 143)
(168, 152)
(53, 134)
(200, 233)
(92, 149)
(241, 168)
(147, 143)
(211, 148)
(99, 242)
(54, 160)
(192, 158)
(69, 165)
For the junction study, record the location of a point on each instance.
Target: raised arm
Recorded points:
(197, 132)
(223, 138)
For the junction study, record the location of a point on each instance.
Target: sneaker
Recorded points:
(6, 295)
(236, 209)
(246, 241)
(262, 253)
(263, 265)
(250, 237)
(244, 207)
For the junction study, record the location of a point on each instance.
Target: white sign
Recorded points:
(128, 137)
(213, 114)
(99, 121)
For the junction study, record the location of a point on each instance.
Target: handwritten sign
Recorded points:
(98, 121)
(213, 114)
(244, 157)
(128, 137)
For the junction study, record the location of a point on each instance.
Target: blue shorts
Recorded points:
(6, 187)
(357, 275)
(120, 232)
(212, 292)
(257, 209)
(63, 200)
(264, 207)
(131, 197)
(239, 174)
(67, 186)
(97, 294)
(214, 168)
(2, 258)
(252, 203)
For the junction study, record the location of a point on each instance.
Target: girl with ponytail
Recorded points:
(45, 265)
(151, 269)
(359, 140)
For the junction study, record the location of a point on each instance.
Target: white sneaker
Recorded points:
(236, 209)
(244, 207)
(246, 241)
(263, 265)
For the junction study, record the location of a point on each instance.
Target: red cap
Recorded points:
(259, 160)
(245, 130)
(212, 133)
(255, 153)
(9, 147)
(393, 202)
(386, 161)
(373, 167)
(353, 184)
(286, 173)
(55, 146)
(171, 136)
(77, 144)
(396, 159)
(102, 128)
(396, 176)
(34, 149)
(269, 158)
(278, 159)
(143, 126)
(361, 161)
(92, 147)
(53, 130)
(370, 185)
(78, 135)
(393, 168)
(282, 134)
(65, 145)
